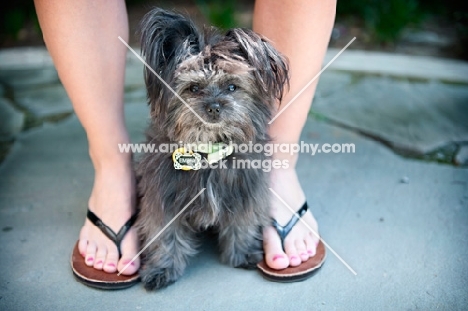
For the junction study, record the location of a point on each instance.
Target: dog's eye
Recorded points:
(194, 88)
(232, 87)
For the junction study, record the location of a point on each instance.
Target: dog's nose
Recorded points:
(213, 109)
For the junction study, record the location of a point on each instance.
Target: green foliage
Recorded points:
(14, 16)
(14, 21)
(388, 18)
(384, 18)
(219, 13)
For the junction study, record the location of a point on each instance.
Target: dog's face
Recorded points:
(221, 90)
(226, 86)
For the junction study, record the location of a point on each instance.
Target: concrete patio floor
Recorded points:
(406, 241)
(401, 224)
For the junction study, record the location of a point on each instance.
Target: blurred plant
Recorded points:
(384, 18)
(219, 13)
(14, 21)
(451, 13)
(14, 16)
(388, 18)
(460, 17)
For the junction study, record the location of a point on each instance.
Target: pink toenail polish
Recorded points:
(126, 262)
(99, 262)
(110, 265)
(293, 257)
(277, 257)
(304, 254)
(90, 259)
(310, 251)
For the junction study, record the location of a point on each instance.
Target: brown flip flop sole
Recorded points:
(295, 274)
(98, 278)
(305, 269)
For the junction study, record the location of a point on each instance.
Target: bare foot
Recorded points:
(301, 243)
(113, 200)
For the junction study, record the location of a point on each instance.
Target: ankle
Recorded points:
(104, 150)
(286, 184)
(114, 177)
(110, 158)
(115, 186)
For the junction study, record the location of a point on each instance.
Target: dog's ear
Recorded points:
(167, 38)
(271, 68)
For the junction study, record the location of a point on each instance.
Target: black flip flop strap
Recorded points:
(283, 231)
(108, 232)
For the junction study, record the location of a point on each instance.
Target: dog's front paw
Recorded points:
(157, 278)
(242, 260)
(250, 261)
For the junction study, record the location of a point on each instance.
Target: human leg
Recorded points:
(300, 29)
(81, 37)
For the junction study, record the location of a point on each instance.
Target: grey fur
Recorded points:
(235, 201)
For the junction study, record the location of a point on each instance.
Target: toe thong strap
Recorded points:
(114, 237)
(283, 231)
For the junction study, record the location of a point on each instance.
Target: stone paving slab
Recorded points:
(26, 67)
(134, 73)
(381, 63)
(44, 101)
(331, 82)
(412, 117)
(407, 241)
(399, 65)
(19, 58)
(462, 156)
(11, 120)
(135, 95)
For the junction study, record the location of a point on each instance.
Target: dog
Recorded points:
(222, 89)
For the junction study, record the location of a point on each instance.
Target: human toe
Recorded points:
(302, 250)
(311, 244)
(128, 266)
(110, 264)
(275, 257)
(100, 257)
(291, 251)
(90, 254)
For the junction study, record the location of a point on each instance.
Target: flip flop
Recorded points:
(99, 278)
(293, 274)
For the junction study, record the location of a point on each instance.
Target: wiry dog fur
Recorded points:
(235, 201)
